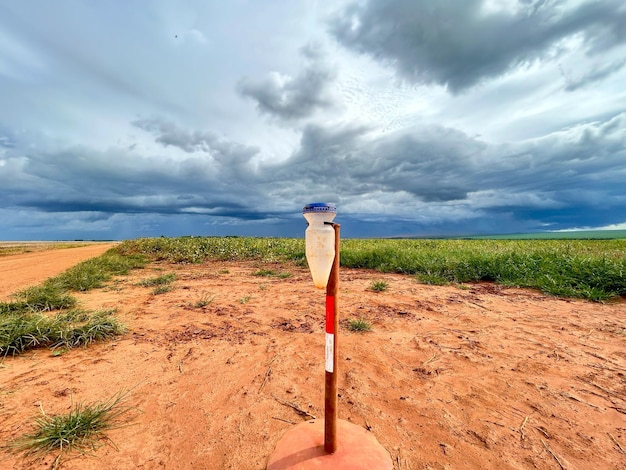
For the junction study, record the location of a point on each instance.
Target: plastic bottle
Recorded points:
(320, 241)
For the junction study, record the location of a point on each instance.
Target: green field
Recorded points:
(569, 235)
(589, 269)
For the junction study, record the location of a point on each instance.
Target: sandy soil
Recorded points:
(454, 377)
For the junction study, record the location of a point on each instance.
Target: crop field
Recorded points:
(590, 269)
(201, 352)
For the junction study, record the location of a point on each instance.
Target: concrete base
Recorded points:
(302, 448)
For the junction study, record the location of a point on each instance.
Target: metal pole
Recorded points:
(332, 326)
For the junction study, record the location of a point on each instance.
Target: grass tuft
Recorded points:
(203, 301)
(21, 332)
(158, 290)
(379, 286)
(163, 280)
(84, 429)
(359, 325)
(271, 273)
(89, 328)
(92, 273)
(46, 297)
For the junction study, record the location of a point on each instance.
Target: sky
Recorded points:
(128, 118)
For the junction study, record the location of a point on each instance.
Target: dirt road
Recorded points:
(26, 269)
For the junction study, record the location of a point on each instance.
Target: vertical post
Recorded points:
(332, 324)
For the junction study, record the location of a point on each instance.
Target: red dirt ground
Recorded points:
(455, 377)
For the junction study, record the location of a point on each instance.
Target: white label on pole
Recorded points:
(330, 349)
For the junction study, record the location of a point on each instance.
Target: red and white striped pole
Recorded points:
(299, 447)
(332, 326)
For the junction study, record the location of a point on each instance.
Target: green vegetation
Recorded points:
(590, 269)
(54, 294)
(24, 323)
(245, 299)
(158, 290)
(83, 429)
(205, 300)
(161, 284)
(379, 286)
(271, 273)
(264, 272)
(163, 280)
(45, 297)
(568, 235)
(359, 325)
(65, 330)
(92, 273)
(200, 249)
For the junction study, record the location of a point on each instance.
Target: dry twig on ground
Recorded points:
(295, 407)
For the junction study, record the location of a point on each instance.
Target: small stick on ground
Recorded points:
(521, 428)
(395, 359)
(617, 408)
(605, 359)
(616, 443)
(601, 367)
(267, 373)
(542, 431)
(430, 360)
(588, 334)
(295, 407)
(494, 422)
(285, 420)
(605, 390)
(553, 454)
(572, 397)
(478, 305)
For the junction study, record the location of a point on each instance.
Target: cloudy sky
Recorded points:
(128, 118)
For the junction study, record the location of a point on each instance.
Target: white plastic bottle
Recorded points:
(320, 241)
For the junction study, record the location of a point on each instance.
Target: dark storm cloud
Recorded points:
(81, 179)
(422, 162)
(575, 171)
(580, 167)
(292, 98)
(460, 44)
(208, 206)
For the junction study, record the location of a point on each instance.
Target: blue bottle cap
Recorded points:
(319, 207)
